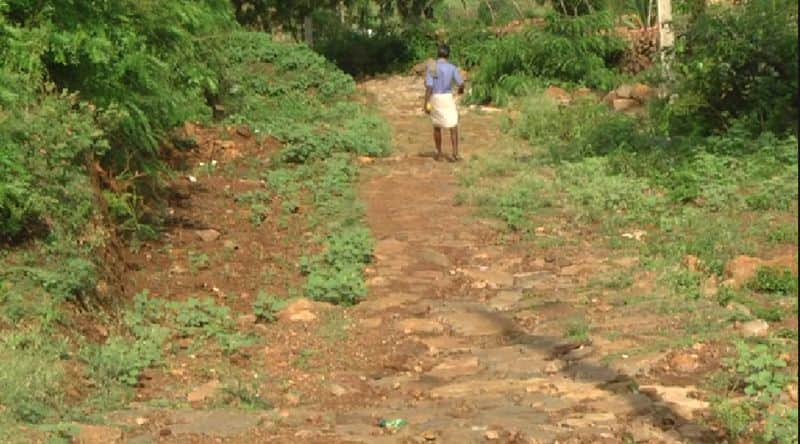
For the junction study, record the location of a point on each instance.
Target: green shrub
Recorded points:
(342, 285)
(514, 204)
(781, 428)
(595, 191)
(736, 417)
(574, 50)
(359, 54)
(776, 193)
(44, 145)
(336, 275)
(121, 360)
(578, 7)
(31, 379)
(760, 374)
(352, 246)
(771, 280)
(267, 306)
(737, 63)
(201, 314)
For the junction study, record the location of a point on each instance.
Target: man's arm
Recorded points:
(428, 88)
(459, 81)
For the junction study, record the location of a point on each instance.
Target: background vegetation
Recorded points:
(90, 93)
(719, 145)
(89, 96)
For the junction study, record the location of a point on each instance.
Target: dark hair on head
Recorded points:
(443, 51)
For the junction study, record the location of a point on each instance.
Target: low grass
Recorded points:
(611, 175)
(305, 103)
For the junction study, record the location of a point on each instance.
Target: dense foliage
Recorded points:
(88, 97)
(138, 71)
(739, 64)
(90, 91)
(721, 147)
(571, 50)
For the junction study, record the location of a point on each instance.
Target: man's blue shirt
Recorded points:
(441, 82)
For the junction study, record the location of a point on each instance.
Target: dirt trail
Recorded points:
(488, 370)
(449, 337)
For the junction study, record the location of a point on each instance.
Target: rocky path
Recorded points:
(460, 336)
(486, 369)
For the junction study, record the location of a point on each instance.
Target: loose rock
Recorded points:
(641, 92)
(505, 300)
(685, 362)
(493, 278)
(338, 390)
(435, 258)
(579, 353)
(478, 323)
(692, 263)
(558, 94)
(791, 390)
(212, 423)
(303, 316)
(455, 367)
(754, 328)
(420, 326)
(246, 320)
(624, 104)
(555, 366)
(204, 391)
(624, 91)
(300, 310)
(208, 235)
(741, 269)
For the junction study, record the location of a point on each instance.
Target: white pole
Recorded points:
(666, 37)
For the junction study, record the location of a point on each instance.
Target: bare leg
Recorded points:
(437, 139)
(454, 142)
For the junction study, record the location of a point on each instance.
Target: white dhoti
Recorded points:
(444, 113)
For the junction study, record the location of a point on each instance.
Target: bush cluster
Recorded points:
(578, 50)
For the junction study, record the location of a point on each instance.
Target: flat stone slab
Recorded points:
(445, 344)
(434, 257)
(455, 367)
(420, 325)
(479, 387)
(213, 423)
(532, 279)
(390, 247)
(477, 323)
(505, 300)
(514, 361)
(383, 303)
(493, 278)
(679, 399)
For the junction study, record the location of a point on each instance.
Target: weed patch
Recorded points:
(778, 281)
(267, 306)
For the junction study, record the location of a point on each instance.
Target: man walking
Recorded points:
(439, 102)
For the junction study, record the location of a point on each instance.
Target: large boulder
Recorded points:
(302, 310)
(624, 104)
(558, 94)
(641, 92)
